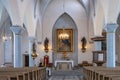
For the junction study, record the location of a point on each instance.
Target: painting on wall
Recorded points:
(64, 40)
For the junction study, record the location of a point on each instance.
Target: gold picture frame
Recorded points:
(64, 45)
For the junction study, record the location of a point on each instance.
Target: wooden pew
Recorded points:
(101, 73)
(11, 76)
(105, 74)
(26, 73)
(115, 78)
(111, 77)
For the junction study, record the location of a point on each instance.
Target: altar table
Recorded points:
(64, 61)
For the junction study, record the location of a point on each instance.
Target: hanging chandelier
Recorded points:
(63, 35)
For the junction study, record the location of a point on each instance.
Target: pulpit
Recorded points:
(99, 57)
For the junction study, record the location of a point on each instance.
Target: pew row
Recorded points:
(26, 73)
(102, 73)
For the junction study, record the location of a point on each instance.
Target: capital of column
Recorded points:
(16, 29)
(111, 27)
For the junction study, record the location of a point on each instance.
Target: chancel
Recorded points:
(59, 39)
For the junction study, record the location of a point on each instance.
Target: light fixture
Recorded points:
(83, 40)
(6, 35)
(63, 35)
(34, 54)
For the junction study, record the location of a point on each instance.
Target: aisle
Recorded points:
(67, 75)
(66, 78)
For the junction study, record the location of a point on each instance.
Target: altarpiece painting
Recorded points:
(64, 44)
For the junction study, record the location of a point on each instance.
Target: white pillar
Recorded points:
(17, 46)
(31, 41)
(111, 28)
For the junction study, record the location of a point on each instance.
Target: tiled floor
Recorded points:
(66, 78)
(67, 75)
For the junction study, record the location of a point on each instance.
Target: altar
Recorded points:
(64, 61)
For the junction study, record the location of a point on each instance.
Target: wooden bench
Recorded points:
(101, 73)
(26, 73)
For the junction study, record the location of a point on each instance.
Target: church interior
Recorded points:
(59, 39)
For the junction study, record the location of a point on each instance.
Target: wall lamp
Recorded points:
(83, 41)
(46, 41)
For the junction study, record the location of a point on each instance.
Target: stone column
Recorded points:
(111, 28)
(17, 46)
(31, 41)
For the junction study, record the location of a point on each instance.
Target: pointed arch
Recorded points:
(4, 15)
(77, 13)
(66, 17)
(6, 43)
(12, 8)
(66, 21)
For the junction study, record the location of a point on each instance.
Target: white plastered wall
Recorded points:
(78, 14)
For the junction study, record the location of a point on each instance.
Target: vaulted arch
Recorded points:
(5, 36)
(77, 13)
(65, 21)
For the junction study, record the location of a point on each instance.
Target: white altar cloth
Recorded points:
(64, 61)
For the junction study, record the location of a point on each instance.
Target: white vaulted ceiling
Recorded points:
(30, 11)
